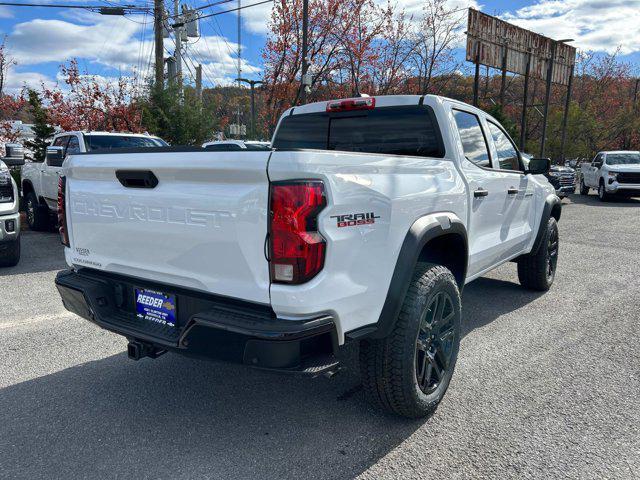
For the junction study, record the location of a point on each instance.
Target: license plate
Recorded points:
(156, 307)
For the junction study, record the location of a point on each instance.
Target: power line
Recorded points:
(95, 8)
(228, 11)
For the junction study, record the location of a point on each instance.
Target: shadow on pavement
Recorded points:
(485, 299)
(181, 418)
(40, 252)
(594, 201)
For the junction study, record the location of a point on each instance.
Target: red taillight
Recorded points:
(297, 248)
(62, 214)
(363, 103)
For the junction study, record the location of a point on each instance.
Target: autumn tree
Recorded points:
(93, 103)
(436, 37)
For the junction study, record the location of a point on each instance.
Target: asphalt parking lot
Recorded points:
(546, 386)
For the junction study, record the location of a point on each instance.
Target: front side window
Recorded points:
(623, 158)
(474, 144)
(404, 130)
(507, 153)
(73, 146)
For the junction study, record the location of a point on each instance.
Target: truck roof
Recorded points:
(619, 151)
(97, 132)
(384, 101)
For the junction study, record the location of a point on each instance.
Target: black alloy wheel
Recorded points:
(435, 343)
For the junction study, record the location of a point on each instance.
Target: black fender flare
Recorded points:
(422, 231)
(552, 202)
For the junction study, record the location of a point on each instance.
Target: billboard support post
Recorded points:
(476, 78)
(525, 99)
(503, 80)
(547, 98)
(565, 117)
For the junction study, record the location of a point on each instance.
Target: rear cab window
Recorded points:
(108, 142)
(402, 130)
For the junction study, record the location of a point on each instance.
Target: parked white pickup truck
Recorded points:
(9, 219)
(40, 180)
(363, 224)
(612, 173)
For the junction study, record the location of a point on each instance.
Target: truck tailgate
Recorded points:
(203, 226)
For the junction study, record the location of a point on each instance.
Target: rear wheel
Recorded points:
(37, 215)
(409, 371)
(10, 253)
(537, 271)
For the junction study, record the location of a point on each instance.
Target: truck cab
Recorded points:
(40, 179)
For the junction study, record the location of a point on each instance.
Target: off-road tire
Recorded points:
(10, 253)
(537, 270)
(388, 366)
(37, 214)
(584, 190)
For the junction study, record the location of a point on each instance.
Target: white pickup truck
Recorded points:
(40, 180)
(9, 219)
(362, 224)
(612, 173)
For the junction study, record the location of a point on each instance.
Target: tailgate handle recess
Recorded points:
(137, 178)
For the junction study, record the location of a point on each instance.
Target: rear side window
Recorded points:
(410, 130)
(474, 144)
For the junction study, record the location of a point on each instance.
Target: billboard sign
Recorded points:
(489, 39)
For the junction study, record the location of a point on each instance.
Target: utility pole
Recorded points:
(158, 12)
(305, 83)
(178, 33)
(199, 82)
(252, 84)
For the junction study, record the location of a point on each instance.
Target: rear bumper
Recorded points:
(207, 326)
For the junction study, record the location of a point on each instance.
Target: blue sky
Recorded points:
(40, 39)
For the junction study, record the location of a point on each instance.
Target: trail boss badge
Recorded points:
(354, 219)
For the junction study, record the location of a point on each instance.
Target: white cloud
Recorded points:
(594, 24)
(257, 19)
(116, 42)
(16, 81)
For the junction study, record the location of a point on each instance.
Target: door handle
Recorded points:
(513, 191)
(480, 192)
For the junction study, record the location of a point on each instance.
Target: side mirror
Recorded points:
(596, 164)
(55, 156)
(538, 166)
